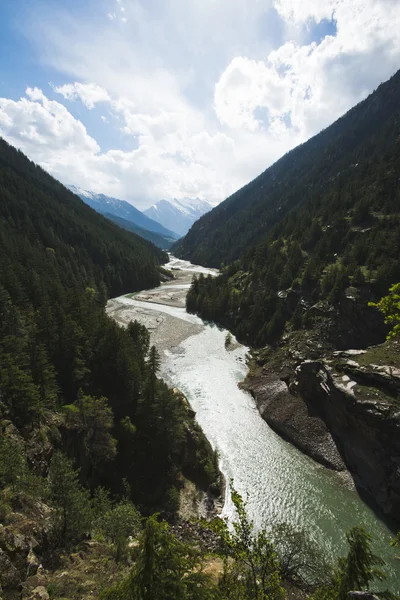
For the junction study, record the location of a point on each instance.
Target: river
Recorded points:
(281, 483)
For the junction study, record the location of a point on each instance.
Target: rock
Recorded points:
(16, 547)
(33, 564)
(9, 576)
(291, 417)
(17, 558)
(343, 414)
(364, 428)
(39, 593)
(363, 596)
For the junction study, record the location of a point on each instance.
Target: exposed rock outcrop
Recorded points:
(341, 411)
(363, 422)
(295, 420)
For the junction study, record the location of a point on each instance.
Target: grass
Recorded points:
(364, 392)
(387, 353)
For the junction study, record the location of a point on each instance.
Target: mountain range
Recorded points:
(305, 177)
(107, 205)
(322, 219)
(178, 215)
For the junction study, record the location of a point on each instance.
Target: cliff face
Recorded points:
(345, 413)
(295, 420)
(357, 405)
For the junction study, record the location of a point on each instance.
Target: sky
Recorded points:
(151, 99)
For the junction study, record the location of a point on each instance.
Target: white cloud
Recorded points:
(43, 127)
(205, 93)
(303, 88)
(88, 93)
(293, 11)
(175, 157)
(246, 85)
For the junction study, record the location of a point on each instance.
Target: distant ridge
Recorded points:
(157, 239)
(178, 215)
(124, 210)
(304, 175)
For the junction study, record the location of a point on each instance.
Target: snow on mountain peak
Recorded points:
(179, 213)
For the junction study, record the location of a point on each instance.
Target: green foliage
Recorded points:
(13, 466)
(93, 420)
(228, 340)
(59, 261)
(355, 571)
(72, 506)
(168, 569)
(165, 569)
(301, 561)
(251, 564)
(323, 217)
(15, 477)
(396, 541)
(117, 523)
(202, 465)
(390, 306)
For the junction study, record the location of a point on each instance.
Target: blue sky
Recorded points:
(151, 99)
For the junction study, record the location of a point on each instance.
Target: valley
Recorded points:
(281, 483)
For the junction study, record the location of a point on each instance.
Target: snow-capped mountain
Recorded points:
(119, 208)
(178, 215)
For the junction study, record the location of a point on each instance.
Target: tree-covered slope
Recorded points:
(338, 228)
(38, 213)
(307, 175)
(70, 377)
(157, 239)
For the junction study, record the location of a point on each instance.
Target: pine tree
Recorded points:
(361, 566)
(73, 514)
(166, 569)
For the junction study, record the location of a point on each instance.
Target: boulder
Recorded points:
(289, 415)
(9, 576)
(363, 422)
(39, 593)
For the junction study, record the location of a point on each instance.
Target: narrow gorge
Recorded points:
(282, 484)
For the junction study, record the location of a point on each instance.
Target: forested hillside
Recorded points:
(325, 170)
(72, 382)
(331, 210)
(40, 218)
(157, 239)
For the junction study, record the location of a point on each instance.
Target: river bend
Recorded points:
(281, 483)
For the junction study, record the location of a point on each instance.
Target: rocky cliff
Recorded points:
(343, 410)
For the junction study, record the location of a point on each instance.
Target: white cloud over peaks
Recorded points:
(175, 157)
(206, 93)
(88, 93)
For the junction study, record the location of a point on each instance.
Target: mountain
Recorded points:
(119, 208)
(178, 215)
(322, 220)
(309, 174)
(40, 215)
(157, 239)
(308, 245)
(85, 421)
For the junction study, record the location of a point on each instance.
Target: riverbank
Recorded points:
(166, 331)
(339, 407)
(281, 483)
